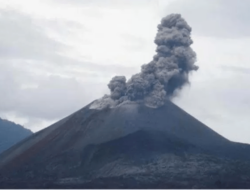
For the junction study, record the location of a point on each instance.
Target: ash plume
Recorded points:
(160, 78)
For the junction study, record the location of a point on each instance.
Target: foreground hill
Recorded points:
(130, 146)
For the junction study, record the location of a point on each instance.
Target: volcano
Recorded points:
(129, 146)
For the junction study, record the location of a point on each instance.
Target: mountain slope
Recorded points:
(132, 144)
(11, 133)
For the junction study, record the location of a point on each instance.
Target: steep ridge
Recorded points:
(94, 144)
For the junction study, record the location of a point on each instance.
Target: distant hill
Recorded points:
(11, 133)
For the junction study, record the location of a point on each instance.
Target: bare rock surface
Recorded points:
(129, 146)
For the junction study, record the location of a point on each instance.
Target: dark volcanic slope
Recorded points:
(11, 133)
(130, 146)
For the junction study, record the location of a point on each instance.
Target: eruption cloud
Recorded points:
(160, 78)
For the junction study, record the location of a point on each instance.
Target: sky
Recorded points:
(56, 56)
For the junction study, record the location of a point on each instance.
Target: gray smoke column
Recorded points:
(160, 78)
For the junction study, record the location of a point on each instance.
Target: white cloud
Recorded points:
(53, 52)
(217, 18)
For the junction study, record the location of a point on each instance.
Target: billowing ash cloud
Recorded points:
(160, 78)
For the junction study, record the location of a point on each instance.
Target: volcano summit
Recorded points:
(129, 146)
(135, 137)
